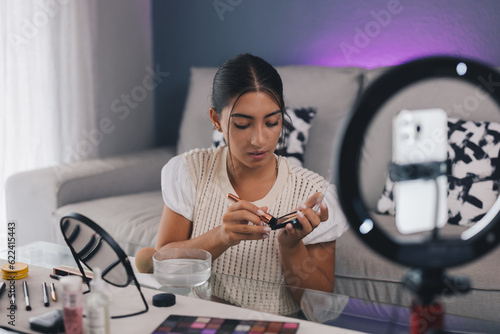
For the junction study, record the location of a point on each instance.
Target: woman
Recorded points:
(248, 108)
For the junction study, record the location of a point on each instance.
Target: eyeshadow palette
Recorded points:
(206, 325)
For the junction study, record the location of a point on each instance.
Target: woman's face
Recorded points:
(253, 130)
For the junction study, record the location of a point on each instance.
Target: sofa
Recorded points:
(122, 193)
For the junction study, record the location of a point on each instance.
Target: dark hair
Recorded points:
(247, 73)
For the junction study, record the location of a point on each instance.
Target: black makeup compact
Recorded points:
(273, 222)
(281, 222)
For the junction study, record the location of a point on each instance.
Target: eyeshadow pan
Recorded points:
(242, 328)
(198, 325)
(209, 331)
(290, 325)
(274, 327)
(258, 328)
(226, 328)
(164, 329)
(169, 323)
(193, 331)
(217, 321)
(229, 325)
(203, 319)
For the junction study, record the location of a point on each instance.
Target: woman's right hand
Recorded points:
(235, 224)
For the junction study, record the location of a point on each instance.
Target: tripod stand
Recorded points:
(427, 308)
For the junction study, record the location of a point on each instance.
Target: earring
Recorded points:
(217, 127)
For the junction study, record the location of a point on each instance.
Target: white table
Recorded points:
(358, 314)
(126, 299)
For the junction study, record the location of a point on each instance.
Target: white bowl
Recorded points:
(182, 267)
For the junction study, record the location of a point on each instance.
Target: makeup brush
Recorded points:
(266, 217)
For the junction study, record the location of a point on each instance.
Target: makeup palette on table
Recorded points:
(208, 325)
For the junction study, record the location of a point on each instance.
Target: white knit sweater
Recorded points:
(258, 260)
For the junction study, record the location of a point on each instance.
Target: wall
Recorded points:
(323, 32)
(124, 76)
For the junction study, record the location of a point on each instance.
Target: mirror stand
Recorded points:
(93, 247)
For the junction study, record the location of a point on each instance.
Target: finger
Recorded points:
(311, 215)
(252, 232)
(248, 207)
(320, 210)
(323, 212)
(236, 233)
(242, 217)
(245, 205)
(307, 227)
(314, 199)
(290, 230)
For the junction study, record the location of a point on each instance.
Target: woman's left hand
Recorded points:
(308, 218)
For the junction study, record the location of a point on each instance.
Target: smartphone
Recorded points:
(419, 137)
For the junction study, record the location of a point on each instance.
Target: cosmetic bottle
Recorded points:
(97, 305)
(72, 304)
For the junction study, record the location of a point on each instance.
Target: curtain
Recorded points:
(46, 85)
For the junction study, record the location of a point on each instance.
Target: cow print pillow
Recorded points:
(473, 149)
(298, 133)
(473, 185)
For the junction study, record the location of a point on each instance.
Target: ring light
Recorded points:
(437, 253)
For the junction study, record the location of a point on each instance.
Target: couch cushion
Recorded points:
(473, 189)
(196, 127)
(361, 272)
(132, 220)
(331, 90)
